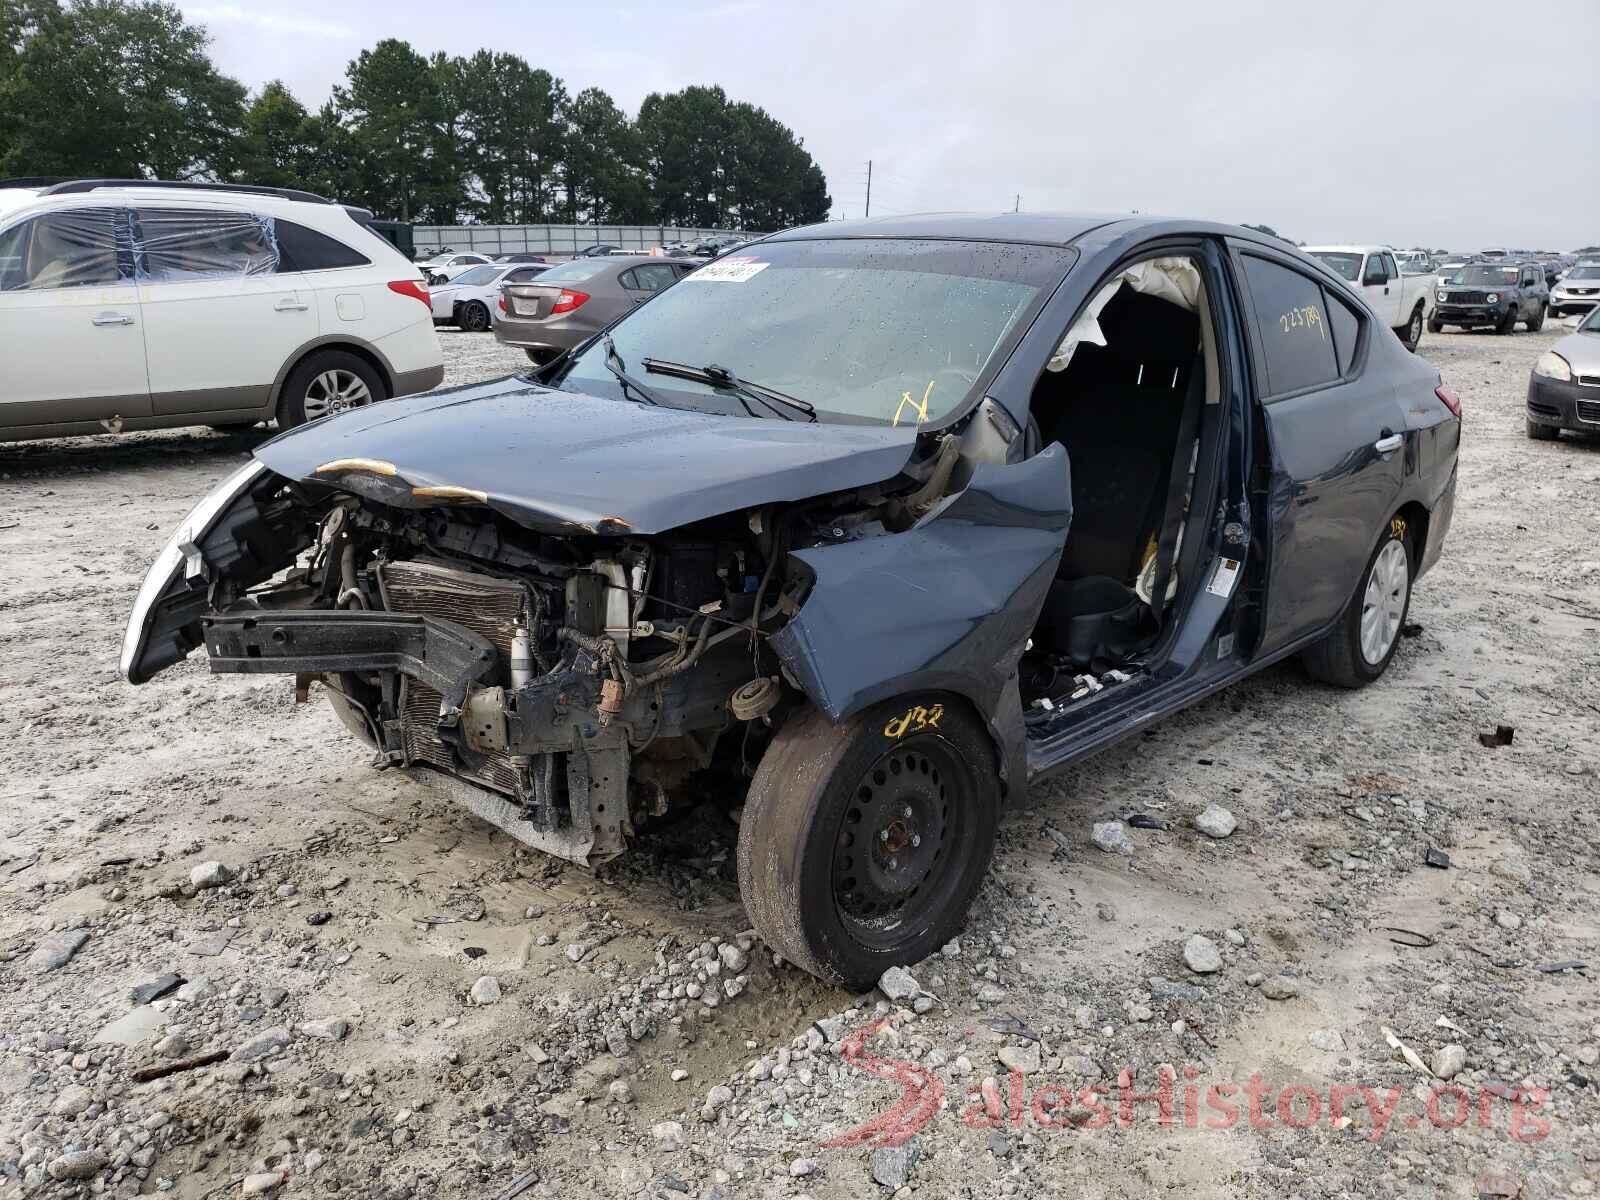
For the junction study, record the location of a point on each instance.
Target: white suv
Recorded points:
(126, 306)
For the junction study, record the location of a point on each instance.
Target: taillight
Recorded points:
(1450, 400)
(412, 288)
(500, 302)
(567, 301)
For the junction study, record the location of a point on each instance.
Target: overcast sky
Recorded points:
(1415, 122)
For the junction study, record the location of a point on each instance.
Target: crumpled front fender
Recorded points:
(947, 605)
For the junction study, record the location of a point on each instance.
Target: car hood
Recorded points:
(1582, 352)
(567, 462)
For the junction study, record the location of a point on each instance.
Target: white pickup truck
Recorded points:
(1401, 301)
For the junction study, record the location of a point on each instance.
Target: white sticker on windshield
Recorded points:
(737, 269)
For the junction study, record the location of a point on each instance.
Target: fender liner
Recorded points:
(947, 605)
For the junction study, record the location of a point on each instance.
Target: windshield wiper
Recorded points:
(725, 380)
(617, 367)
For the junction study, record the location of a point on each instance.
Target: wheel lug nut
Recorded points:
(893, 863)
(908, 810)
(916, 840)
(883, 835)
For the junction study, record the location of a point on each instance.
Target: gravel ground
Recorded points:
(400, 1002)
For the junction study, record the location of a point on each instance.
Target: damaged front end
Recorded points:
(571, 680)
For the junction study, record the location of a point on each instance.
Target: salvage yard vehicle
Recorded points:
(1576, 291)
(469, 300)
(443, 267)
(569, 303)
(1401, 300)
(864, 529)
(1492, 295)
(1564, 389)
(133, 304)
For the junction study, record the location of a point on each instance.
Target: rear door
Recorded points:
(1336, 439)
(71, 335)
(221, 316)
(646, 280)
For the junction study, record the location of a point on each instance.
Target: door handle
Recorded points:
(110, 318)
(1388, 443)
(288, 304)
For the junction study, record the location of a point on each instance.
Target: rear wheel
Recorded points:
(1542, 433)
(862, 844)
(1413, 334)
(1537, 322)
(327, 383)
(474, 317)
(1359, 647)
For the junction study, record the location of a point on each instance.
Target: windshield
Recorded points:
(1591, 323)
(1484, 275)
(478, 276)
(878, 331)
(1348, 265)
(1589, 272)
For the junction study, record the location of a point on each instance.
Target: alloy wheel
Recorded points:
(335, 391)
(1383, 603)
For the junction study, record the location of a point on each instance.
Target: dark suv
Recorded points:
(1492, 294)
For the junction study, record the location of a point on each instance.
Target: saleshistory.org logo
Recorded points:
(1171, 1102)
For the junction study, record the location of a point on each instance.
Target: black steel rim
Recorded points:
(902, 840)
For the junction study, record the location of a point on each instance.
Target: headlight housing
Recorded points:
(1443, 295)
(1552, 366)
(179, 559)
(1492, 298)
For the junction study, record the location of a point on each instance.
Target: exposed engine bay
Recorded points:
(577, 685)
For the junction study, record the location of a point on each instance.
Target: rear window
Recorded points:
(1347, 265)
(1291, 316)
(302, 249)
(572, 272)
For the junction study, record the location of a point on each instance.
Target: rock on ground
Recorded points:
(1200, 955)
(56, 951)
(1215, 821)
(1112, 837)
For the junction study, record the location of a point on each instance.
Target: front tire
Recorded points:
(1359, 648)
(1435, 325)
(1508, 323)
(1542, 433)
(1537, 323)
(327, 383)
(862, 844)
(474, 317)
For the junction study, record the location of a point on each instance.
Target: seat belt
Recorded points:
(1178, 485)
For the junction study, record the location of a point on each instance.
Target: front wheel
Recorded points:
(862, 844)
(1435, 325)
(474, 317)
(1359, 647)
(1508, 323)
(1536, 322)
(1542, 433)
